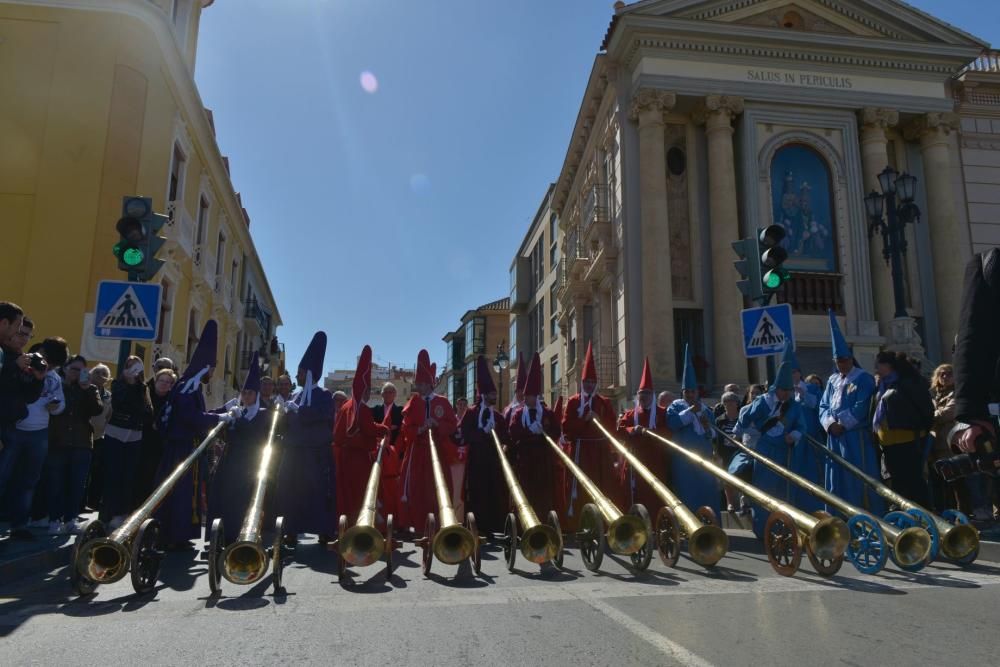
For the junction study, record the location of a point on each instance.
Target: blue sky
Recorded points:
(381, 217)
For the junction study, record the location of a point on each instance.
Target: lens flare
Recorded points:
(369, 83)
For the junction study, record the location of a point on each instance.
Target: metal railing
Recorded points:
(813, 293)
(595, 206)
(253, 311)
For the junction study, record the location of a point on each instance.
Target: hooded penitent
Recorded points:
(689, 381)
(202, 360)
(312, 365)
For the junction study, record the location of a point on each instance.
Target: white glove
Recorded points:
(290, 406)
(536, 429)
(235, 412)
(227, 418)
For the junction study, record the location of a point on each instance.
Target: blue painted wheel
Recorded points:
(867, 549)
(903, 520)
(925, 521)
(956, 517)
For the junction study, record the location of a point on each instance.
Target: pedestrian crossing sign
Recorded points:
(766, 330)
(126, 310)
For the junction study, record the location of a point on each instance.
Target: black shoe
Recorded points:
(22, 534)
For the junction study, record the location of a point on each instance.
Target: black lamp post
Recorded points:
(896, 198)
(500, 362)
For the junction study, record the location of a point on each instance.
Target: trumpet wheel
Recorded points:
(591, 537)
(825, 567)
(925, 521)
(277, 555)
(707, 516)
(641, 558)
(430, 529)
(146, 557)
(781, 542)
(867, 548)
(510, 540)
(390, 546)
(476, 559)
(341, 563)
(960, 519)
(554, 523)
(91, 530)
(668, 541)
(903, 520)
(215, 548)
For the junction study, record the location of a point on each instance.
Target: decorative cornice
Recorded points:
(651, 99)
(941, 124)
(878, 117)
(728, 106)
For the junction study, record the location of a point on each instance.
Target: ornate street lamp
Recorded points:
(500, 362)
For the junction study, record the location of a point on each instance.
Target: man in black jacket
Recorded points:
(19, 384)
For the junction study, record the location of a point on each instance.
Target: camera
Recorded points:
(84, 376)
(964, 465)
(36, 362)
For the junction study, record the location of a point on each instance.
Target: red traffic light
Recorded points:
(131, 229)
(772, 235)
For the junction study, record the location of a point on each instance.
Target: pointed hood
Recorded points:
(646, 384)
(783, 378)
(689, 379)
(362, 383)
(589, 370)
(312, 359)
(425, 375)
(252, 383)
(533, 385)
(558, 409)
(788, 356)
(841, 350)
(522, 374)
(484, 381)
(203, 358)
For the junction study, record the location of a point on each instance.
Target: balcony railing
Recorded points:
(606, 362)
(180, 227)
(252, 311)
(245, 358)
(813, 293)
(988, 62)
(595, 206)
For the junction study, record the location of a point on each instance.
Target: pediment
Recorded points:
(881, 19)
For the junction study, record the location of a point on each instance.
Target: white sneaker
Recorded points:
(116, 522)
(57, 528)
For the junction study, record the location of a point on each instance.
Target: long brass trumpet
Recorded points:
(959, 541)
(452, 542)
(539, 543)
(245, 561)
(707, 544)
(99, 558)
(824, 537)
(871, 538)
(626, 534)
(362, 544)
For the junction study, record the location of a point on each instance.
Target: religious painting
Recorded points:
(802, 203)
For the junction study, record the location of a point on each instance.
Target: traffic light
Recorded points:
(772, 258)
(139, 239)
(748, 267)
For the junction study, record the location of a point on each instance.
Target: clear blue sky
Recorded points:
(381, 217)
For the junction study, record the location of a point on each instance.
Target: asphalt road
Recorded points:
(740, 613)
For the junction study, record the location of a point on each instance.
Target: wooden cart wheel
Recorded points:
(510, 540)
(668, 541)
(430, 530)
(216, 545)
(92, 530)
(476, 559)
(554, 523)
(146, 557)
(277, 554)
(781, 543)
(341, 561)
(867, 548)
(825, 567)
(641, 558)
(591, 537)
(707, 516)
(390, 546)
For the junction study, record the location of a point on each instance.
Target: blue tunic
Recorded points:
(847, 400)
(305, 491)
(695, 487)
(769, 440)
(235, 476)
(807, 461)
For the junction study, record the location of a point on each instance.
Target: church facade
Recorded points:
(706, 120)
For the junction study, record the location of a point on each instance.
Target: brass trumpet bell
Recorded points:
(453, 544)
(104, 561)
(959, 541)
(540, 544)
(828, 539)
(707, 545)
(244, 563)
(361, 545)
(627, 534)
(913, 546)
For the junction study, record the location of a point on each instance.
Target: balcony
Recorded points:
(606, 362)
(988, 62)
(180, 229)
(256, 317)
(595, 206)
(813, 293)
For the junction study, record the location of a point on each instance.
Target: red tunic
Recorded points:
(353, 452)
(650, 452)
(418, 496)
(535, 463)
(592, 453)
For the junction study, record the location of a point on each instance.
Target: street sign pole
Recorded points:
(769, 359)
(125, 346)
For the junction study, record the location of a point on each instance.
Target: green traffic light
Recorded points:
(772, 280)
(133, 256)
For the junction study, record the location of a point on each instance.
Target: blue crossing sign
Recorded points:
(766, 330)
(128, 311)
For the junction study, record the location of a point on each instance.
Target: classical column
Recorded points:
(657, 317)
(717, 114)
(950, 245)
(874, 158)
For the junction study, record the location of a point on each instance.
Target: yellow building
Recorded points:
(99, 101)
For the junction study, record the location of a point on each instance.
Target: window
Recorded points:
(689, 329)
(553, 241)
(470, 383)
(475, 337)
(554, 379)
(163, 329)
(802, 203)
(177, 163)
(541, 324)
(192, 334)
(220, 256)
(553, 316)
(512, 337)
(232, 278)
(202, 220)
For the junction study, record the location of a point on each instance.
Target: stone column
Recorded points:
(874, 158)
(717, 114)
(657, 316)
(950, 244)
